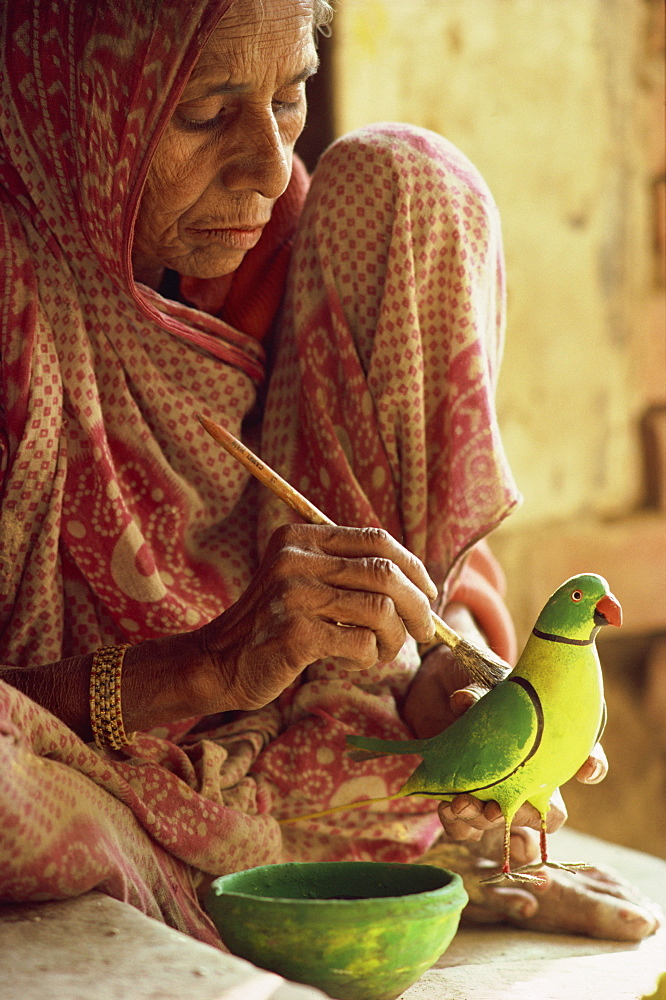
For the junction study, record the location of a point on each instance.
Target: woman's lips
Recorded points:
(241, 238)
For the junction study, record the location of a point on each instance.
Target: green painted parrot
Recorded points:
(531, 732)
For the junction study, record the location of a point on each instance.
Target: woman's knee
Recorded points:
(398, 155)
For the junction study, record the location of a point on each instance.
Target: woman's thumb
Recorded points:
(464, 698)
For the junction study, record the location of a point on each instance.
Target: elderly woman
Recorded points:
(180, 662)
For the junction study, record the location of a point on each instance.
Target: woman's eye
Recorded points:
(286, 105)
(279, 106)
(198, 118)
(289, 101)
(196, 125)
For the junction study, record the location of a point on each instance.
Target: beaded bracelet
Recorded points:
(105, 704)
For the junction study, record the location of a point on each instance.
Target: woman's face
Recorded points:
(225, 156)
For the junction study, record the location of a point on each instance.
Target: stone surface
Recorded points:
(96, 948)
(502, 964)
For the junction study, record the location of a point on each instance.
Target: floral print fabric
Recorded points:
(121, 521)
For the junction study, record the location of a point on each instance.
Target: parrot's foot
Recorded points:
(519, 875)
(573, 866)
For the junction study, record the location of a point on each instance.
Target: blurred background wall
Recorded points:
(560, 104)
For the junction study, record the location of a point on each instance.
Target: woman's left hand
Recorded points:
(468, 818)
(441, 690)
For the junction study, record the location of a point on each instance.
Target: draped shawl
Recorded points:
(120, 520)
(111, 502)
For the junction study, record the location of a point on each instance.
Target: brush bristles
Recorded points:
(483, 667)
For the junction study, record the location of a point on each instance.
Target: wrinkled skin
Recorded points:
(596, 902)
(223, 161)
(353, 593)
(226, 154)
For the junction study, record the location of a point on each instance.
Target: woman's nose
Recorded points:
(260, 159)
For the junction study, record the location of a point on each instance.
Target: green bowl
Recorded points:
(359, 930)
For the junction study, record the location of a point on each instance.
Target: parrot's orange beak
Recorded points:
(609, 607)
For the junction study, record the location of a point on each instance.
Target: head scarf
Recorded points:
(119, 519)
(87, 90)
(111, 500)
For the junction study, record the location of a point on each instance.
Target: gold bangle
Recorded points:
(105, 703)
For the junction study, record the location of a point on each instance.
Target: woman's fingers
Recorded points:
(359, 577)
(313, 606)
(437, 696)
(595, 767)
(525, 848)
(319, 591)
(362, 643)
(440, 692)
(463, 699)
(383, 577)
(597, 903)
(372, 543)
(467, 818)
(372, 593)
(503, 903)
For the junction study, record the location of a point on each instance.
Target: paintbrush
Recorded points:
(481, 666)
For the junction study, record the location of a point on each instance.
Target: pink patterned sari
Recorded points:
(121, 521)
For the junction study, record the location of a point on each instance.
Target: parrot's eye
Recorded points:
(577, 595)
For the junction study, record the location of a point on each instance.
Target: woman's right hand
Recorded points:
(352, 593)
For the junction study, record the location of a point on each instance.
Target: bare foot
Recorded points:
(597, 902)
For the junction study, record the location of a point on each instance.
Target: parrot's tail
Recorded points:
(367, 747)
(336, 809)
(358, 755)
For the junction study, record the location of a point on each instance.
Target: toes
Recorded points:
(501, 904)
(570, 903)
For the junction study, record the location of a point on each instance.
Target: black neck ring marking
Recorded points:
(562, 638)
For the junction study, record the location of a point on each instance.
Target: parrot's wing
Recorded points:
(484, 746)
(369, 747)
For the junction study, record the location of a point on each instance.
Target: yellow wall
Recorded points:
(554, 101)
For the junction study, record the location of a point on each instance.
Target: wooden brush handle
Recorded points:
(276, 484)
(285, 491)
